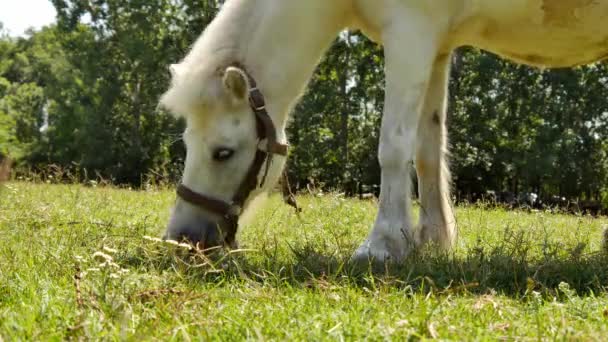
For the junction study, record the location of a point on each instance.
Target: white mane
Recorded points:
(246, 31)
(221, 43)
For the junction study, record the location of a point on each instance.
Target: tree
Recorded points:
(84, 93)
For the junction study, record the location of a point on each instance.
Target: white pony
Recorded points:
(277, 43)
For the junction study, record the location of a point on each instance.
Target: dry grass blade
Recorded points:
(433, 330)
(152, 294)
(77, 278)
(605, 239)
(79, 302)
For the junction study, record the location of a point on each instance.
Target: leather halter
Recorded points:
(266, 130)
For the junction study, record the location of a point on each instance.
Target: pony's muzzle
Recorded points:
(190, 224)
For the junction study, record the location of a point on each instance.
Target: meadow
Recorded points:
(85, 263)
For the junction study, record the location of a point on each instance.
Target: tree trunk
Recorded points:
(344, 118)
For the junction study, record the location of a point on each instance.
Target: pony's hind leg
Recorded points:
(407, 75)
(437, 222)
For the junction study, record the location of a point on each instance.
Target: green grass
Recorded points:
(513, 275)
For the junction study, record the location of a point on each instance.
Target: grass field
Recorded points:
(75, 262)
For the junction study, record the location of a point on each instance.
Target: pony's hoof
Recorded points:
(366, 255)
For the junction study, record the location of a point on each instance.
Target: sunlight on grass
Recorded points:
(81, 262)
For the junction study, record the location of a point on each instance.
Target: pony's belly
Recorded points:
(546, 33)
(548, 48)
(553, 33)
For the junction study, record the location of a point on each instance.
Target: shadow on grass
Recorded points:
(507, 269)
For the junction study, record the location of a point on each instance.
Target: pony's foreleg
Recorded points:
(409, 53)
(436, 216)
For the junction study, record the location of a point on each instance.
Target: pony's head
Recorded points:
(232, 151)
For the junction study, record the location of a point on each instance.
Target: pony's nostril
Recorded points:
(213, 236)
(190, 238)
(189, 225)
(184, 235)
(205, 236)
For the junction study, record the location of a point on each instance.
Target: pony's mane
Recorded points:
(223, 42)
(224, 38)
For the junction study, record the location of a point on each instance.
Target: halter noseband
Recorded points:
(266, 130)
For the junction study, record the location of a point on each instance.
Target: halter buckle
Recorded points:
(256, 100)
(235, 210)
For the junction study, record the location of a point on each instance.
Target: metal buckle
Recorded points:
(254, 95)
(235, 210)
(263, 145)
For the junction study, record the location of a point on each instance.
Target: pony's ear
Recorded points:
(235, 83)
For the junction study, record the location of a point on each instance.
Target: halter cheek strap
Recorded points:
(266, 131)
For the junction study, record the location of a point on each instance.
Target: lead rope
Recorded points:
(288, 196)
(269, 157)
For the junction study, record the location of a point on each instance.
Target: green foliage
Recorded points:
(340, 117)
(519, 128)
(92, 83)
(513, 275)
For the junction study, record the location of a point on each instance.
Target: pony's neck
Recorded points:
(280, 43)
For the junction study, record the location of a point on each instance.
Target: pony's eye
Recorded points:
(222, 154)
